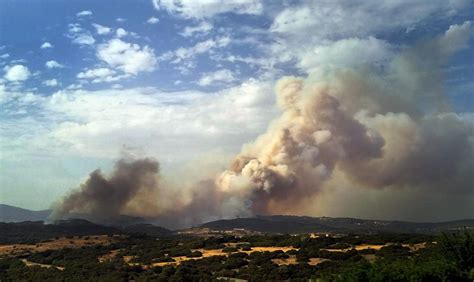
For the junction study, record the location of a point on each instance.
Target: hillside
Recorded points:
(305, 224)
(14, 214)
(35, 231)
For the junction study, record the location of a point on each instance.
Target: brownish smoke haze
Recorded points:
(381, 131)
(107, 197)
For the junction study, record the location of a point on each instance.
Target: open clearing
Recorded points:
(412, 247)
(219, 252)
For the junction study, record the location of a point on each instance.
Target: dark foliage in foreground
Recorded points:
(449, 259)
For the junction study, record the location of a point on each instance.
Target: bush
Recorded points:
(195, 254)
(229, 249)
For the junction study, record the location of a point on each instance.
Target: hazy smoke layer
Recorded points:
(380, 129)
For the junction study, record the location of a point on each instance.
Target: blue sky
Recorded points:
(85, 82)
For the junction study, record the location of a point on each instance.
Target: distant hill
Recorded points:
(19, 225)
(305, 224)
(35, 231)
(14, 214)
(146, 229)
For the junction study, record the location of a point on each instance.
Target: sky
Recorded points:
(83, 83)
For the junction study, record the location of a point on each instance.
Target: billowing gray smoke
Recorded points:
(389, 129)
(131, 183)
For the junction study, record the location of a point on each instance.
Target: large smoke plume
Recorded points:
(384, 129)
(131, 183)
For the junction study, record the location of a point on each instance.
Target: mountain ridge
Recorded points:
(306, 224)
(259, 223)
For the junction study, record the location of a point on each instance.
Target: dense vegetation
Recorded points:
(36, 231)
(450, 258)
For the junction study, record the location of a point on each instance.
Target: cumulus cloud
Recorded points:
(46, 45)
(202, 28)
(207, 9)
(152, 20)
(100, 29)
(100, 75)
(84, 13)
(99, 72)
(79, 35)
(51, 82)
(53, 64)
(120, 32)
(16, 73)
(201, 47)
(336, 19)
(217, 76)
(302, 30)
(351, 53)
(98, 123)
(128, 57)
(84, 39)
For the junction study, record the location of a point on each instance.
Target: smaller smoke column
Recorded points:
(107, 197)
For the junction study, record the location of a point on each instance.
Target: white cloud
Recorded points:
(200, 48)
(217, 76)
(46, 45)
(338, 19)
(100, 75)
(16, 73)
(92, 73)
(204, 27)
(121, 32)
(352, 52)
(332, 28)
(99, 123)
(51, 82)
(84, 39)
(130, 58)
(100, 29)
(74, 86)
(153, 20)
(4, 56)
(120, 20)
(456, 38)
(208, 8)
(79, 35)
(53, 64)
(3, 93)
(84, 13)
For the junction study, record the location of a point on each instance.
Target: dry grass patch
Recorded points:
(30, 263)
(219, 252)
(110, 256)
(316, 261)
(358, 248)
(287, 261)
